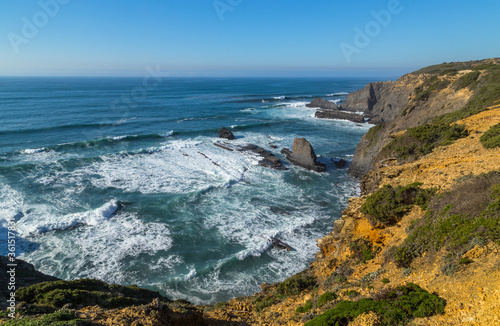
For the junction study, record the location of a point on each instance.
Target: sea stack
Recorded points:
(225, 133)
(302, 154)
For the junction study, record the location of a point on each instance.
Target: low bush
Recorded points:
(491, 138)
(458, 219)
(388, 204)
(467, 80)
(296, 284)
(431, 85)
(58, 318)
(402, 304)
(326, 297)
(340, 275)
(262, 303)
(305, 308)
(85, 292)
(385, 280)
(421, 140)
(362, 250)
(486, 92)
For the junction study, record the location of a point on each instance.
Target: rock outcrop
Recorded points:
(321, 103)
(302, 154)
(339, 115)
(225, 133)
(330, 110)
(268, 159)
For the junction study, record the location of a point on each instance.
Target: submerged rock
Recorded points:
(340, 163)
(225, 133)
(302, 154)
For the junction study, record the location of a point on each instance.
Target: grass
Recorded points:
(491, 138)
(457, 220)
(85, 292)
(388, 205)
(262, 303)
(58, 318)
(421, 140)
(399, 306)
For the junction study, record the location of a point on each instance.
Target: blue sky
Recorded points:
(243, 37)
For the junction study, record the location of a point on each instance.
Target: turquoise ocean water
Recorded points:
(114, 178)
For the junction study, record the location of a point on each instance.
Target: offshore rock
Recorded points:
(302, 154)
(268, 159)
(225, 133)
(339, 115)
(322, 104)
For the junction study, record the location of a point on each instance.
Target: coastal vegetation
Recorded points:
(459, 219)
(389, 204)
(395, 307)
(491, 138)
(421, 140)
(85, 292)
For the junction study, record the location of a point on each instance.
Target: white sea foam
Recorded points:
(167, 134)
(338, 94)
(33, 224)
(282, 97)
(176, 167)
(34, 150)
(106, 251)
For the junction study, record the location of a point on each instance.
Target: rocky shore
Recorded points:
(420, 247)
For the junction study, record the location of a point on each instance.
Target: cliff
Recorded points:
(417, 99)
(420, 247)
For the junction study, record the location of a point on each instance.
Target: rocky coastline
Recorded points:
(374, 267)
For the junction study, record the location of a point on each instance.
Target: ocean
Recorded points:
(118, 179)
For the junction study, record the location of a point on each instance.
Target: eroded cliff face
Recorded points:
(413, 100)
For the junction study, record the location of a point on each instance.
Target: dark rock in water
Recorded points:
(341, 115)
(340, 164)
(225, 133)
(268, 159)
(273, 146)
(322, 104)
(302, 154)
(277, 243)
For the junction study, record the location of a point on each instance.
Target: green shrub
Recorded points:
(457, 220)
(431, 85)
(405, 302)
(486, 93)
(58, 318)
(85, 292)
(421, 140)
(491, 138)
(361, 250)
(351, 293)
(305, 308)
(261, 304)
(385, 280)
(467, 80)
(388, 204)
(296, 284)
(326, 297)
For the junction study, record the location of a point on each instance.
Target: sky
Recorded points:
(257, 38)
